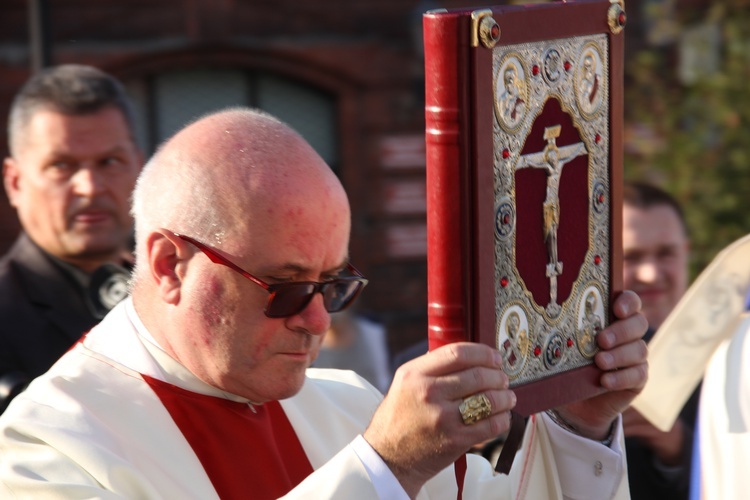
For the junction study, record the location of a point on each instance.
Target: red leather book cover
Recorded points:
(524, 175)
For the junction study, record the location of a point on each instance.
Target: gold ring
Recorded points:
(475, 408)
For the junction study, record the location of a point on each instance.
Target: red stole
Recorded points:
(244, 453)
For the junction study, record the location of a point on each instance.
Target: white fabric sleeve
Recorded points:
(385, 483)
(587, 468)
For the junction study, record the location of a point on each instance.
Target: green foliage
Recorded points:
(694, 139)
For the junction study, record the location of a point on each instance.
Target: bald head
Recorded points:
(231, 171)
(253, 191)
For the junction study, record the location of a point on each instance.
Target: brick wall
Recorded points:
(365, 52)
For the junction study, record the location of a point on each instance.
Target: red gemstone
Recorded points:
(557, 353)
(570, 342)
(537, 351)
(600, 198)
(495, 32)
(567, 65)
(622, 19)
(598, 138)
(535, 70)
(506, 219)
(506, 153)
(504, 282)
(597, 260)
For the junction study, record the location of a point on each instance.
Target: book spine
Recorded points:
(446, 306)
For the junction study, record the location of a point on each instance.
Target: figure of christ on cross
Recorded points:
(552, 159)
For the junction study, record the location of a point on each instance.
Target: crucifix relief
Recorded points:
(552, 159)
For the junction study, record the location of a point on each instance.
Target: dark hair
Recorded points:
(643, 195)
(70, 89)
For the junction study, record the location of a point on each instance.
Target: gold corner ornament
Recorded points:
(484, 29)
(616, 17)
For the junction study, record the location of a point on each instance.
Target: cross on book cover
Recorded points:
(524, 177)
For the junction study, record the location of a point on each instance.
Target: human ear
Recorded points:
(166, 256)
(11, 175)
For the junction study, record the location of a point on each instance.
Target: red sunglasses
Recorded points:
(288, 299)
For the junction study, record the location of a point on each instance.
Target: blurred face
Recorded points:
(71, 182)
(655, 250)
(238, 348)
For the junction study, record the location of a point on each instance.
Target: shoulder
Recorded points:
(9, 264)
(331, 409)
(342, 389)
(27, 283)
(25, 268)
(10, 283)
(16, 308)
(82, 387)
(335, 380)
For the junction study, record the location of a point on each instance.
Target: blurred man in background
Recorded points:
(655, 266)
(72, 166)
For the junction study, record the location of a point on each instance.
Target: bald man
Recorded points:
(199, 386)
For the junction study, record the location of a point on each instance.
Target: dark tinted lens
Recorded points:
(287, 299)
(338, 294)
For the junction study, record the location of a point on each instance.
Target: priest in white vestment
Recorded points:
(199, 386)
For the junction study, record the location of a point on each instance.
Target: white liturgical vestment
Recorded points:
(725, 418)
(98, 425)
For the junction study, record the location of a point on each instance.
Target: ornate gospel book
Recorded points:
(524, 174)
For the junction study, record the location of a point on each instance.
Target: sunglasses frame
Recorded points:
(318, 286)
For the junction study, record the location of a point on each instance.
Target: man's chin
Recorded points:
(293, 385)
(277, 394)
(95, 247)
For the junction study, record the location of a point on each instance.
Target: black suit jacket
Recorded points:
(645, 479)
(43, 310)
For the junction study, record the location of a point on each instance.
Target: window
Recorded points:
(166, 102)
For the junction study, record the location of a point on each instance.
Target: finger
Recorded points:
(631, 378)
(623, 331)
(622, 356)
(501, 402)
(458, 356)
(626, 304)
(491, 427)
(459, 385)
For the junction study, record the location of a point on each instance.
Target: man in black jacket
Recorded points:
(655, 266)
(72, 166)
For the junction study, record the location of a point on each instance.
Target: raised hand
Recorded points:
(418, 429)
(623, 358)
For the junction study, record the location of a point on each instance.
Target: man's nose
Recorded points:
(647, 271)
(87, 182)
(314, 318)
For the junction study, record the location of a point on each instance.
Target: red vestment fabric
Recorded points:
(245, 453)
